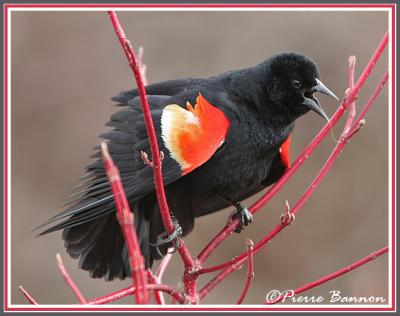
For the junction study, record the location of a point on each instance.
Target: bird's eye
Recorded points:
(296, 83)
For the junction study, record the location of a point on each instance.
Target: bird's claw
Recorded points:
(164, 239)
(243, 214)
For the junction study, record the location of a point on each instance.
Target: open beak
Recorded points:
(312, 103)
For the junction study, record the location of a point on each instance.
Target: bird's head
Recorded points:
(291, 83)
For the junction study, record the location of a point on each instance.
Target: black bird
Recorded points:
(224, 139)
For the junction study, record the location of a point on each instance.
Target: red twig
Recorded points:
(250, 271)
(157, 279)
(219, 278)
(69, 280)
(360, 119)
(333, 275)
(30, 299)
(142, 65)
(158, 297)
(126, 220)
(190, 283)
(163, 266)
(114, 296)
(228, 229)
(173, 292)
(155, 153)
(352, 106)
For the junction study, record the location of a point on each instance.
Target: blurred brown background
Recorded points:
(67, 65)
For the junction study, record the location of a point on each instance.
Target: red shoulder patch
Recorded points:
(194, 134)
(285, 152)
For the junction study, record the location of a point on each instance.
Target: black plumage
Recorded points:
(261, 104)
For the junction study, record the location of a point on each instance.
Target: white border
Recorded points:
(9, 157)
(238, 307)
(117, 9)
(390, 157)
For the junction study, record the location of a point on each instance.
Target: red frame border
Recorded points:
(199, 308)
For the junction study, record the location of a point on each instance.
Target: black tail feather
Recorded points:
(100, 245)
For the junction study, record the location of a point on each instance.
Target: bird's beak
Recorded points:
(320, 87)
(312, 103)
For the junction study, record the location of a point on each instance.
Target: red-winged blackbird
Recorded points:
(224, 139)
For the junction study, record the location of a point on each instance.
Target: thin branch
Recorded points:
(155, 152)
(158, 297)
(219, 278)
(114, 296)
(69, 280)
(189, 282)
(126, 220)
(351, 69)
(152, 279)
(352, 106)
(142, 65)
(335, 274)
(30, 299)
(250, 271)
(157, 279)
(163, 265)
(266, 197)
(360, 119)
(170, 290)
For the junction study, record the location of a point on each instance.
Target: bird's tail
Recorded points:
(100, 245)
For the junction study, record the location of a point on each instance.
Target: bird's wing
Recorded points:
(169, 87)
(188, 136)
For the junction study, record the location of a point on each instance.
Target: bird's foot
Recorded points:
(165, 239)
(243, 214)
